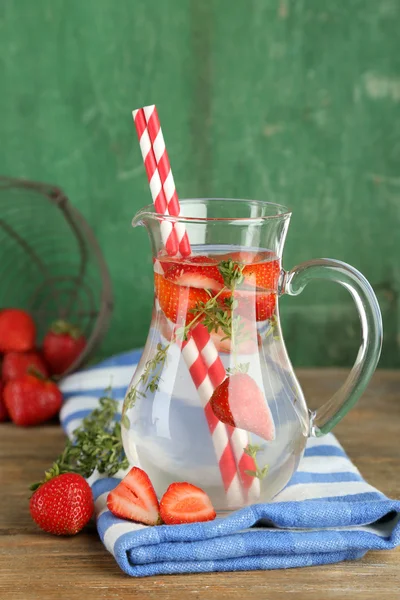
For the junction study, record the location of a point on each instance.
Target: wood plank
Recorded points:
(34, 565)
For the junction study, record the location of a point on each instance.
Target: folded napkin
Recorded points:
(327, 513)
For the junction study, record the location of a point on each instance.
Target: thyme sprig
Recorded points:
(150, 379)
(96, 444)
(252, 450)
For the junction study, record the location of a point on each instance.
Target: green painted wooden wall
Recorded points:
(296, 101)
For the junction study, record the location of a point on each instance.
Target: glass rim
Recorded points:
(149, 211)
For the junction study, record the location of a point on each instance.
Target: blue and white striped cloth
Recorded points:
(327, 513)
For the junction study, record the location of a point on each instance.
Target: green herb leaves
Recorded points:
(252, 450)
(96, 444)
(240, 368)
(150, 378)
(232, 272)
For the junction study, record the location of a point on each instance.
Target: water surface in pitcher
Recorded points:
(167, 426)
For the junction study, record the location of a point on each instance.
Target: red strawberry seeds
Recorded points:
(135, 499)
(63, 505)
(185, 503)
(177, 301)
(238, 402)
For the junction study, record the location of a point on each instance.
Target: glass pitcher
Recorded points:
(214, 399)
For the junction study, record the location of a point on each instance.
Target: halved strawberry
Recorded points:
(177, 301)
(199, 273)
(265, 306)
(135, 499)
(238, 402)
(263, 274)
(185, 503)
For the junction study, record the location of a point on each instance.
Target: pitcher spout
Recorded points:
(227, 223)
(139, 220)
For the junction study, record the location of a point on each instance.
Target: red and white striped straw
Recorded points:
(162, 185)
(199, 352)
(202, 377)
(237, 438)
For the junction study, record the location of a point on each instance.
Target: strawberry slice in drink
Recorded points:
(197, 272)
(177, 301)
(263, 275)
(238, 402)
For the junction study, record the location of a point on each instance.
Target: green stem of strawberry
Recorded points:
(61, 327)
(33, 371)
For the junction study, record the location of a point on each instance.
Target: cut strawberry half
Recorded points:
(238, 402)
(197, 274)
(135, 499)
(263, 275)
(177, 301)
(185, 503)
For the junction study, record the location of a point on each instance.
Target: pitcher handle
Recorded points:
(293, 283)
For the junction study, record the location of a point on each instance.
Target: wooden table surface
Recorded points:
(35, 565)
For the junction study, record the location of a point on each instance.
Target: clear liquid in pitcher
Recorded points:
(242, 446)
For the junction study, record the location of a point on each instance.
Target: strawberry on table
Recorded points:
(31, 400)
(62, 345)
(185, 503)
(134, 498)
(17, 364)
(17, 331)
(238, 402)
(63, 505)
(4, 416)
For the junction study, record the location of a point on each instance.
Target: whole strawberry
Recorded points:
(17, 364)
(17, 331)
(31, 400)
(4, 416)
(62, 345)
(63, 505)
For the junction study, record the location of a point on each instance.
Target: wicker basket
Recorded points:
(50, 262)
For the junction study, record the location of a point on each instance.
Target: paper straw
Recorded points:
(168, 233)
(238, 438)
(201, 357)
(219, 435)
(167, 179)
